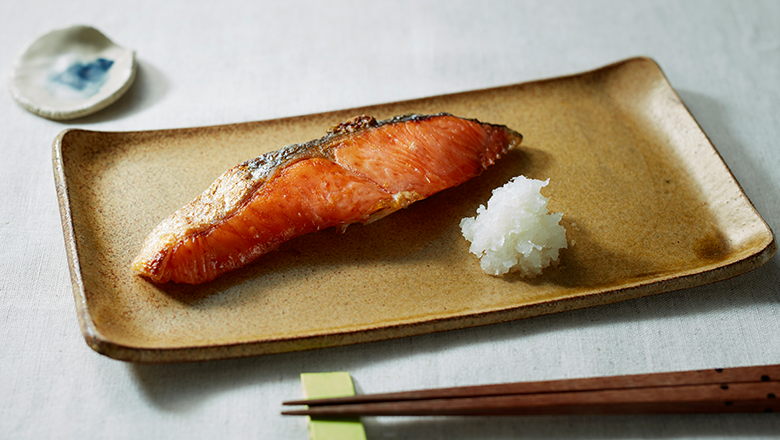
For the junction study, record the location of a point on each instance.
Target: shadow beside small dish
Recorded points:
(149, 88)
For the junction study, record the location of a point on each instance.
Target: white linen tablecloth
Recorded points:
(207, 63)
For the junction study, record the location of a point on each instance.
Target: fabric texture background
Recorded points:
(208, 63)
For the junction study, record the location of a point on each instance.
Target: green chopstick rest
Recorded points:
(336, 384)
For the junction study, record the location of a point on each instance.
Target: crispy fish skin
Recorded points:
(360, 171)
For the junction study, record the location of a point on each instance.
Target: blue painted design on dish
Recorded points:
(80, 80)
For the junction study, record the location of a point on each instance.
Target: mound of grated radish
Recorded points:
(515, 233)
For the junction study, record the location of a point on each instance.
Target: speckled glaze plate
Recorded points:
(648, 204)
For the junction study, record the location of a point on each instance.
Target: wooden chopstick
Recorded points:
(744, 389)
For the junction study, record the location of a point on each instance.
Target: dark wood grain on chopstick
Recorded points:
(696, 377)
(757, 396)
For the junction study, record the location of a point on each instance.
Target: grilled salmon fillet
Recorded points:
(360, 171)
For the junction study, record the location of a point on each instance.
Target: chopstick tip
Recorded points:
(294, 402)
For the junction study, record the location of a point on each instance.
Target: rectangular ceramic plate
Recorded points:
(649, 207)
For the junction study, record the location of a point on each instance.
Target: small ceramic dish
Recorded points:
(71, 72)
